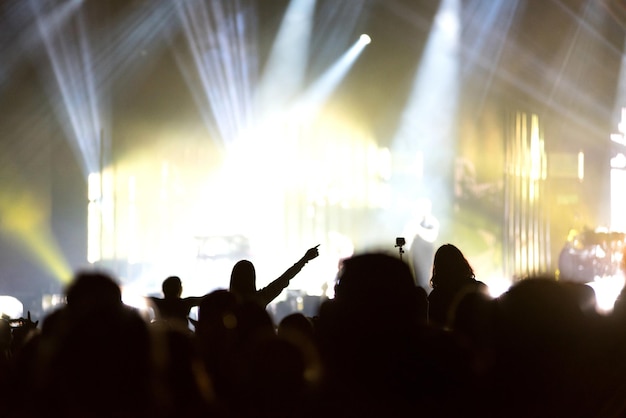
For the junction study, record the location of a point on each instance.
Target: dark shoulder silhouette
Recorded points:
(172, 307)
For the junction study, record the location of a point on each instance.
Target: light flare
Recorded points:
(11, 307)
(25, 218)
(319, 92)
(607, 289)
(220, 40)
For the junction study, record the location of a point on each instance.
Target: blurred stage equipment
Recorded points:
(590, 254)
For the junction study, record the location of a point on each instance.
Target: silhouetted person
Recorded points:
(6, 373)
(274, 384)
(452, 276)
(473, 324)
(172, 307)
(295, 323)
(372, 337)
(551, 358)
(94, 355)
(243, 280)
(6, 339)
(93, 291)
(299, 330)
(21, 368)
(216, 335)
(255, 374)
(186, 388)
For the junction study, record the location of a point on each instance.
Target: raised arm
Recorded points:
(272, 290)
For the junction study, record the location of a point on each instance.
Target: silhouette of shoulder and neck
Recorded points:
(172, 307)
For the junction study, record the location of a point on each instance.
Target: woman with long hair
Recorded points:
(243, 280)
(452, 277)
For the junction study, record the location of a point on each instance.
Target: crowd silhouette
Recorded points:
(381, 347)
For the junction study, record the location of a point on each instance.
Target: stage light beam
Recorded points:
(319, 92)
(426, 131)
(286, 67)
(224, 63)
(64, 35)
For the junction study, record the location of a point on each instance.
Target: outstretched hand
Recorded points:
(311, 253)
(25, 323)
(29, 322)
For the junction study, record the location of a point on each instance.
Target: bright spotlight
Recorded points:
(11, 307)
(365, 39)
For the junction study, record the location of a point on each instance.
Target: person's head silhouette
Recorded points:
(450, 267)
(243, 279)
(172, 287)
(92, 290)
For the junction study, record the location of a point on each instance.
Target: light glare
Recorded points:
(607, 289)
(11, 307)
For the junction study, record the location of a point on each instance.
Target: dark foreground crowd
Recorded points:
(382, 347)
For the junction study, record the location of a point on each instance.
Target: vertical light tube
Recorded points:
(618, 201)
(581, 166)
(133, 250)
(94, 220)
